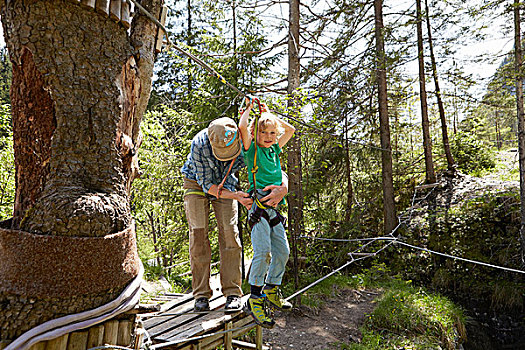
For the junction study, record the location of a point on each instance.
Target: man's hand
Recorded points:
(276, 196)
(244, 198)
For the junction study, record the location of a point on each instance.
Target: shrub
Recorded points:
(470, 154)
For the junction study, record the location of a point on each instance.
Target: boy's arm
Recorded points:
(243, 126)
(288, 132)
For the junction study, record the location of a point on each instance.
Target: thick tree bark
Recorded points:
(427, 142)
(80, 87)
(518, 62)
(389, 210)
(295, 198)
(442, 118)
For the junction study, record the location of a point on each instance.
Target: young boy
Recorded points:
(270, 245)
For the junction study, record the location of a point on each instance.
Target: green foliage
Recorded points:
(5, 76)
(7, 164)
(470, 154)
(157, 197)
(405, 315)
(481, 226)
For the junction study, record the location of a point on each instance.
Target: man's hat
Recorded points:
(224, 139)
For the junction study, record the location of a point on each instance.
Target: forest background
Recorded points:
(335, 160)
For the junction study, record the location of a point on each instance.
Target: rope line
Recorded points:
(301, 291)
(398, 241)
(459, 258)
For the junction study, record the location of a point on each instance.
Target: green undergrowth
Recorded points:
(405, 316)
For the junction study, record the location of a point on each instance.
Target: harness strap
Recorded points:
(259, 213)
(198, 192)
(221, 185)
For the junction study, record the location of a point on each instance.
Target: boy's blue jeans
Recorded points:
(270, 251)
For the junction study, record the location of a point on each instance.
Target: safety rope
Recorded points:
(224, 81)
(255, 168)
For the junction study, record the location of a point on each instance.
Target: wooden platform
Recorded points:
(176, 322)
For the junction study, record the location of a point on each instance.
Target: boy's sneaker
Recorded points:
(255, 307)
(274, 296)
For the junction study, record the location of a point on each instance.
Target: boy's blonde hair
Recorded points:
(266, 120)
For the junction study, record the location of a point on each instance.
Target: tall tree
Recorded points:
(389, 210)
(518, 70)
(427, 141)
(81, 83)
(443, 119)
(295, 199)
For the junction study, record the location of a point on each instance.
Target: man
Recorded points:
(209, 178)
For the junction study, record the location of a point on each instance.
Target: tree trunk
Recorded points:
(349, 187)
(389, 209)
(518, 61)
(295, 198)
(443, 119)
(427, 142)
(80, 87)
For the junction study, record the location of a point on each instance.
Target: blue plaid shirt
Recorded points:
(203, 167)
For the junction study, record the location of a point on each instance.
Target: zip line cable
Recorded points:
(223, 80)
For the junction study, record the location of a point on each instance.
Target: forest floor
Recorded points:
(338, 319)
(335, 322)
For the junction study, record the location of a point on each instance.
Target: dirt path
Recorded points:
(337, 321)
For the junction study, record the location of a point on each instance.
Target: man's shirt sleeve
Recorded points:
(203, 174)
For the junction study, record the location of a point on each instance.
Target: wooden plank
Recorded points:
(102, 6)
(38, 346)
(208, 324)
(124, 333)
(214, 341)
(77, 341)
(111, 332)
(241, 322)
(177, 324)
(59, 343)
(177, 302)
(258, 337)
(192, 324)
(177, 306)
(140, 334)
(124, 14)
(228, 336)
(114, 10)
(157, 324)
(95, 336)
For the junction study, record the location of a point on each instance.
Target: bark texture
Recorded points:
(389, 209)
(518, 62)
(80, 87)
(295, 197)
(427, 141)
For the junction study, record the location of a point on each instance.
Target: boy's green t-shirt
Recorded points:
(268, 163)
